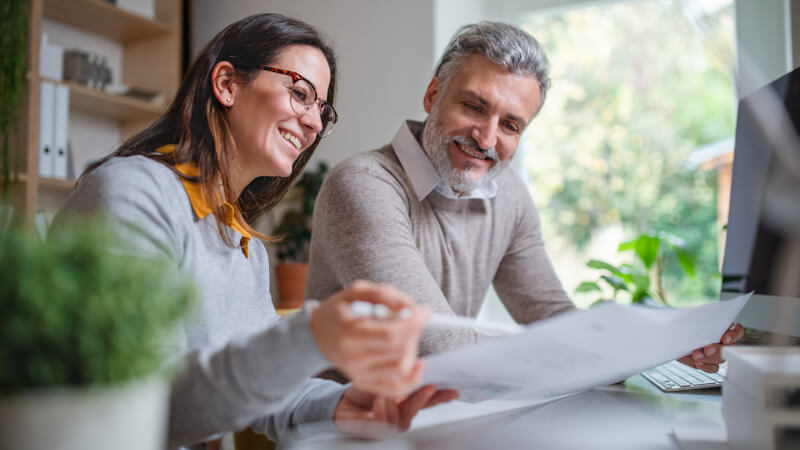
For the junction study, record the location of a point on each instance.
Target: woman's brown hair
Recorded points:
(195, 120)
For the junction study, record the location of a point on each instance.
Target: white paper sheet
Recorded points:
(580, 350)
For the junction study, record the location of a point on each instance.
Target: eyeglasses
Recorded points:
(303, 95)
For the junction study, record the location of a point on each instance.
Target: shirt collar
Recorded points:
(424, 177)
(414, 160)
(201, 206)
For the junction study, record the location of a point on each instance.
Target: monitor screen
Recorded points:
(764, 219)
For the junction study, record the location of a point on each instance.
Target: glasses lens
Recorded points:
(303, 96)
(328, 116)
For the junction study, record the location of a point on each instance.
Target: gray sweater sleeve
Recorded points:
(315, 402)
(362, 230)
(259, 378)
(526, 282)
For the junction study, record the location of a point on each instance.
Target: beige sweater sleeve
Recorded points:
(525, 281)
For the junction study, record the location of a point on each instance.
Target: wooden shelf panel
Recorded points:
(110, 106)
(53, 184)
(56, 184)
(103, 18)
(21, 178)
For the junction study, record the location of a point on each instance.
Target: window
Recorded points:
(637, 87)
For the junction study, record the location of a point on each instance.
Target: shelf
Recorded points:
(103, 18)
(21, 178)
(110, 106)
(49, 183)
(150, 58)
(56, 184)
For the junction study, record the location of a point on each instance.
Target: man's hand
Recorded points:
(709, 357)
(378, 355)
(357, 407)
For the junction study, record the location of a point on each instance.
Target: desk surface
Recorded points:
(635, 415)
(632, 416)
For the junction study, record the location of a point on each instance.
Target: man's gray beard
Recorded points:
(435, 142)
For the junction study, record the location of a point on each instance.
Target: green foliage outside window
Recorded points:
(636, 87)
(74, 312)
(642, 280)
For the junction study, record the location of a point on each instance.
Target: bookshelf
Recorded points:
(116, 107)
(151, 59)
(105, 19)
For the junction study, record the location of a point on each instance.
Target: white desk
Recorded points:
(634, 416)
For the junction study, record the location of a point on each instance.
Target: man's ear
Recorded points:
(431, 94)
(222, 83)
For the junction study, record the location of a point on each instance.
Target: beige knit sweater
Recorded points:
(369, 224)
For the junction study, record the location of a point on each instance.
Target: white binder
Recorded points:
(60, 132)
(51, 59)
(47, 100)
(144, 8)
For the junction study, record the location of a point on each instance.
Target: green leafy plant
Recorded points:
(295, 226)
(13, 63)
(642, 279)
(75, 313)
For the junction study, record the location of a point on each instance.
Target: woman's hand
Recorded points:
(358, 407)
(379, 356)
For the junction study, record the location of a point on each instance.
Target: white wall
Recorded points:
(384, 52)
(449, 15)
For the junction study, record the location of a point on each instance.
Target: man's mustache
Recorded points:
(473, 144)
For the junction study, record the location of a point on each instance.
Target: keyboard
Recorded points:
(674, 376)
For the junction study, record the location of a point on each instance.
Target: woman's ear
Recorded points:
(222, 83)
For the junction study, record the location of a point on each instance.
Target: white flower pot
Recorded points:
(130, 416)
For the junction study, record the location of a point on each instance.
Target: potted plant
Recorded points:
(13, 63)
(82, 333)
(642, 280)
(294, 231)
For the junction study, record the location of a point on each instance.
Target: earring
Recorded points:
(228, 101)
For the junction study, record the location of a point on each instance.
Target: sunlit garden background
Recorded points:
(637, 87)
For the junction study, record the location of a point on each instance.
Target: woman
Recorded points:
(244, 122)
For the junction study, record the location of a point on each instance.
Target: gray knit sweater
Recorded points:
(369, 224)
(241, 365)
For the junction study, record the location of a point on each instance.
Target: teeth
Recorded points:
(471, 152)
(291, 138)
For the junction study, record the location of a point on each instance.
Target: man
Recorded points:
(436, 214)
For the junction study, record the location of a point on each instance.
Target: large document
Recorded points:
(580, 350)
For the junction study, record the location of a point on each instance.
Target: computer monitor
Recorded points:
(763, 220)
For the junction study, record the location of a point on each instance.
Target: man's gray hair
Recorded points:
(500, 43)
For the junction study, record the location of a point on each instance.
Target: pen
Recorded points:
(437, 320)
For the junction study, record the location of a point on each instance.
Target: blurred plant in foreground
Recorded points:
(79, 310)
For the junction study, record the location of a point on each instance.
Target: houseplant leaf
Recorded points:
(627, 245)
(687, 259)
(615, 282)
(587, 286)
(647, 249)
(602, 265)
